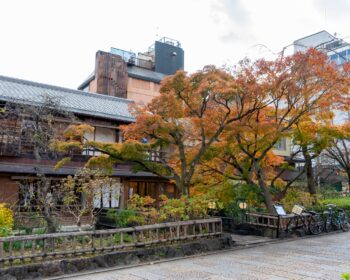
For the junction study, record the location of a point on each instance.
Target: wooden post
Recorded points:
(101, 240)
(22, 248)
(121, 238)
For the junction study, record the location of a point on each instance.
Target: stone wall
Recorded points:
(115, 259)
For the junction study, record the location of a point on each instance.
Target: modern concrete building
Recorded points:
(338, 51)
(134, 76)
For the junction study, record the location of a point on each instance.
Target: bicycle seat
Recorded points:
(331, 205)
(312, 212)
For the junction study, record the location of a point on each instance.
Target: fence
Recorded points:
(280, 223)
(62, 245)
(263, 220)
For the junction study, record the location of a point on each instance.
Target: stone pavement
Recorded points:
(250, 239)
(322, 257)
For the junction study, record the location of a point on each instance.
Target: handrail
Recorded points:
(60, 245)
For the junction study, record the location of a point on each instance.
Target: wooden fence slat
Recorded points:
(66, 244)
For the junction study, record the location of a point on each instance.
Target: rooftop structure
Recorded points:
(336, 48)
(135, 76)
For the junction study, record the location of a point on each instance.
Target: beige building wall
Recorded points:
(93, 86)
(142, 92)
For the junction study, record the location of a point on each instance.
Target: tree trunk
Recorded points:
(265, 188)
(45, 198)
(311, 186)
(183, 187)
(50, 220)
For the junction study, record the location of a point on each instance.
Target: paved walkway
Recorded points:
(323, 257)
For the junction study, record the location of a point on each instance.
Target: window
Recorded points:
(143, 188)
(108, 196)
(281, 145)
(101, 134)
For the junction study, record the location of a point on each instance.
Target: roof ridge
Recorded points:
(53, 87)
(313, 35)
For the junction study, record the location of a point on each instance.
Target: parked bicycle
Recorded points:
(335, 218)
(309, 221)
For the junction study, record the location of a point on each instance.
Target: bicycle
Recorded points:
(335, 218)
(309, 221)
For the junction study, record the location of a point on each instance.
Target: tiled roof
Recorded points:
(75, 101)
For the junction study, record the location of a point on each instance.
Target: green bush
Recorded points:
(126, 238)
(233, 210)
(122, 218)
(341, 202)
(345, 276)
(5, 231)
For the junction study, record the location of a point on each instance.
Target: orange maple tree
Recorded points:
(299, 86)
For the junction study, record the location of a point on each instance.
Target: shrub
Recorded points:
(345, 276)
(341, 202)
(122, 218)
(5, 231)
(6, 220)
(6, 216)
(141, 210)
(296, 196)
(126, 238)
(198, 207)
(174, 209)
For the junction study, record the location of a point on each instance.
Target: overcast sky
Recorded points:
(55, 41)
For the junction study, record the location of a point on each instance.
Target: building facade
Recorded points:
(338, 51)
(327, 171)
(134, 76)
(19, 164)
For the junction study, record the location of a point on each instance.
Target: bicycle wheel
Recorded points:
(344, 223)
(345, 226)
(315, 226)
(328, 226)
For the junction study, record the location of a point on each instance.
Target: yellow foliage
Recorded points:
(295, 196)
(78, 131)
(6, 217)
(62, 162)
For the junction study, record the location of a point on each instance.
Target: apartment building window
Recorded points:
(281, 145)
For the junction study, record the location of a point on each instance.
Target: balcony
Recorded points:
(133, 60)
(26, 150)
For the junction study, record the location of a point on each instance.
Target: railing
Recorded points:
(157, 156)
(143, 63)
(27, 151)
(280, 223)
(263, 220)
(62, 245)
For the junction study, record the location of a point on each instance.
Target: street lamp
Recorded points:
(243, 206)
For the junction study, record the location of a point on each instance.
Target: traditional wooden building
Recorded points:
(19, 166)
